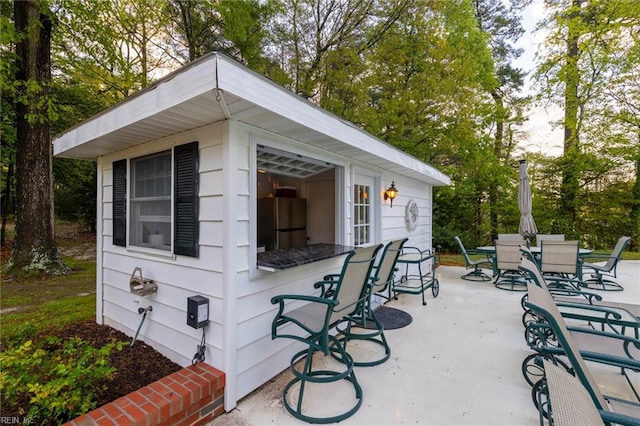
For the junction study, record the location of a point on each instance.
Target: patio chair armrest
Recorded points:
(281, 298)
(590, 297)
(609, 312)
(327, 286)
(601, 257)
(609, 417)
(331, 277)
(628, 343)
(478, 252)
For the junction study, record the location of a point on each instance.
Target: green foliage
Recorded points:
(55, 380)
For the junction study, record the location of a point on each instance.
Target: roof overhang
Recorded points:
(215, 88)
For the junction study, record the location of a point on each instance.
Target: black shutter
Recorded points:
(186, 200)
(120, 203)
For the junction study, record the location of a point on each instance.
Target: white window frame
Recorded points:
(147, 248)
(364, 177)
(342, 168)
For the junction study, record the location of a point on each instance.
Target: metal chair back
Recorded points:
(559, 257)
(541, 302)
(548, 237)
(386, 268)
(352, 289)
(510, 237)
(508, 254)
(616, 254)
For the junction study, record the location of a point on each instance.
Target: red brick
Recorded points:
(203, 383)
(84, 420)
(195, 407)
(105, 421)
(204, 420)
(137, 416)
(111, 410)
(153, 412)
(189, 420)
(136, 398)
(175, 402)
(194, 388)
(123, 420)
(159, 388)
(162, 404)
(188, 395)
(179, 398)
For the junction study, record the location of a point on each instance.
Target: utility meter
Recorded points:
(197, 311)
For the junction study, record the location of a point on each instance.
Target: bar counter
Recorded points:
(277, 260)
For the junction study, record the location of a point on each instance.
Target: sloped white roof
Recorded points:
(215, 88)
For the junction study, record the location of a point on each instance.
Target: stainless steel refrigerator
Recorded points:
(282, 222)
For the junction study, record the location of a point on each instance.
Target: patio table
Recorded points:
(491, 250)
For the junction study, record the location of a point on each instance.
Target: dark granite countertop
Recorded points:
(275, 260)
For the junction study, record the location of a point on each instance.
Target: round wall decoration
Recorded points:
(411, 215)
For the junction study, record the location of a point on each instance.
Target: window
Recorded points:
(159, 213)
(362, 214)
(151, 201)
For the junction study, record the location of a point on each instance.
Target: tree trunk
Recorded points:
(570, 161)
(498, 143)
(635, 209)
(34, 244)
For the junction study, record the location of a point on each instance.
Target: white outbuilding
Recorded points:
(216, 182)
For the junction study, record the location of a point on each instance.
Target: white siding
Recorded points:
(178, 277)
(239, 335)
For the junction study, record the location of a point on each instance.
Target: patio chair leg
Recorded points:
(599, 282)
(319, 377)
(375, 335)
(476, 275)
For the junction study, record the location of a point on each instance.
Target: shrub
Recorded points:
(54, 381)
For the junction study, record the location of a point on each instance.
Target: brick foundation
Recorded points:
(191, 396)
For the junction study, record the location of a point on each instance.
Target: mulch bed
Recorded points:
(136, 366)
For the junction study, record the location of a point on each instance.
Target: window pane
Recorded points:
(361, 215)
(151, 201)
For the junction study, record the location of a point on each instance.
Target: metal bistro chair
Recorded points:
(363, 324)
(548, 237)
(560, 263)
(612, 409)
(477, 274)
(310, 324)
(612, 345)
(602, 275)
(508, 276)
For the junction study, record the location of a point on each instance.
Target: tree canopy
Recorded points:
(434, 78)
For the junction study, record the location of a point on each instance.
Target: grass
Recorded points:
(48, 302)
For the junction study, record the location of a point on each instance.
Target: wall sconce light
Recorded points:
(391, 193)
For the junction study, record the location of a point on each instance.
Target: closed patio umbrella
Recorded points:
(527, 225)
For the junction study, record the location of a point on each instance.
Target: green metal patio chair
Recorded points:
(311, 323)
(476, 274)
(608, 348)
(507, 274)
(612, 409)
(602, 275)
(570, 293)
(560, 263)
(563, 400)
(363, 324)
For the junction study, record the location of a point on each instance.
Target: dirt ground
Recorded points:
(137, 365)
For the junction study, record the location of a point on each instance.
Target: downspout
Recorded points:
(229, 244)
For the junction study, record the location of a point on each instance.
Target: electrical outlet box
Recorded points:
(197, 311)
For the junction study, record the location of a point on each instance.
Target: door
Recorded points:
(365, 210)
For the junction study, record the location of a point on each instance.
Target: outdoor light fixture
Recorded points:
(391, 193)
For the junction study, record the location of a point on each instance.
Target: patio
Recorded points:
(457, 363)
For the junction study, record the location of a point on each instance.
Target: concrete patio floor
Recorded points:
(457, 363)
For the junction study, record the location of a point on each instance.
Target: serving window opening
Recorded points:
(296, 199)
